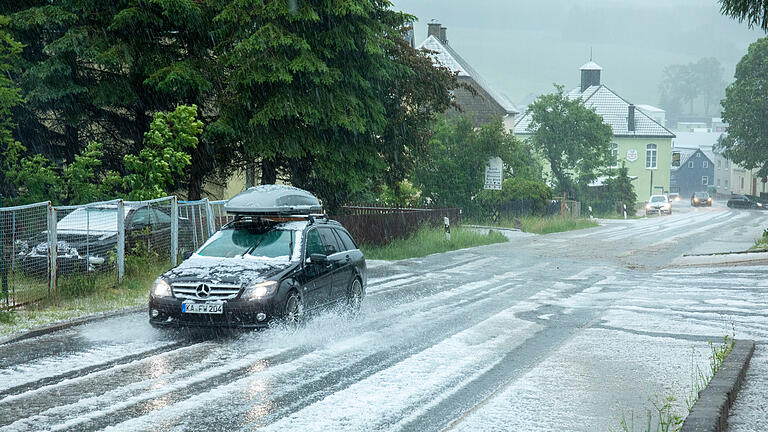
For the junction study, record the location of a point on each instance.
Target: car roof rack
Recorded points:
(274, 201)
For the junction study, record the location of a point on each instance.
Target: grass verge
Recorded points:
(428, 241)
(540, 225)
(761, 243)
(554, 224)
(81, 295)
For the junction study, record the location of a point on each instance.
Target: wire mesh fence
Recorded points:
(25, 251)
(44, 247)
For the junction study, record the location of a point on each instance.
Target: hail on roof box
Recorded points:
(273, 200)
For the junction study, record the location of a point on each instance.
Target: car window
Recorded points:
(159, 217)
(329, 241)
(346, 240)
(314, 243)
(140, 216)
(262, 242)
(658, 198)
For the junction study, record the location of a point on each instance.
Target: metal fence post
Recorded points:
(209, 216)
(174, 231)
(120, 241)
(53, 250)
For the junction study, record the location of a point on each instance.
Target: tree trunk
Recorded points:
(268, 171)
(194, 187)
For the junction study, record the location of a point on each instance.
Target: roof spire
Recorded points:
(590, 53)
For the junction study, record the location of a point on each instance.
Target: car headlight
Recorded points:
(161, 288)
(647, 206)
(709, 199)
(759, 205)
(261, 290)
(695, 200)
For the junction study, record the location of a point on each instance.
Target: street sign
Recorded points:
(494, 174)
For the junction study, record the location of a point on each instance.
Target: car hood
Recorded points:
(237, 271)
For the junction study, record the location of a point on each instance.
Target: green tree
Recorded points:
(165, 155)
(678, 85)
(571, 138)
(452, 171)
(754, 12)
(618, 188)
(86, 180)
(96, 71)
(10, 149)
(708, 77)
(745, 109)
(325, 94)
(37, 179)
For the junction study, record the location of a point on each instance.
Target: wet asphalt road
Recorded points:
(568, 331)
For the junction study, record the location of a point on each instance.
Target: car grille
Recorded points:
(189, 290)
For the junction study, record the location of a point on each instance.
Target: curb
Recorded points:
(710, 412)
(61, 325)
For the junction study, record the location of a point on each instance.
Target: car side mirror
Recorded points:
(318, 259)
(186, 254)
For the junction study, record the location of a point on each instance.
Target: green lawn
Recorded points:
(554, 224)
(429, 241)
(542, 224)
(86, 294)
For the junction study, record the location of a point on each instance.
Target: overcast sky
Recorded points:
(523, 47)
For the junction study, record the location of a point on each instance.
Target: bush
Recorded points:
(514, 191)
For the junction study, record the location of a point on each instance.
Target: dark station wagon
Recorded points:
(278, 259)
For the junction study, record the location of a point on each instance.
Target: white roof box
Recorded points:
(274, 200)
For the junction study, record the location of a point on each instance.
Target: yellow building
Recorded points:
(639, 141)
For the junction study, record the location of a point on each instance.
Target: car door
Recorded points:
(336, 257)
(352, 257)
(317, 276)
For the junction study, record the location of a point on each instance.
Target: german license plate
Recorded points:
(202, 308)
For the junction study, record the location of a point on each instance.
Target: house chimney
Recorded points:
(590, 75)
(631, 118)
(443, 37)
(433, 29)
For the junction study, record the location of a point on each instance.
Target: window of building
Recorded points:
(742, 182)
(718, 182)
(698, 154)
(719, 164)
(650, 156)
(690, 164)
(704, 180)
(705, 164)
(725, 182)
(615, 154)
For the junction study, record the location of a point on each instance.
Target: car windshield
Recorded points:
(703, 195)
(250, 241)
(90, 219)
(658, 198)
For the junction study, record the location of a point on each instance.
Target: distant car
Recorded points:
(87, 236)
(674, 196)
(658, 204)
(744, 201)
(701, 199)
(278, 259)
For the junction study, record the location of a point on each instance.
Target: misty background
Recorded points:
(522, 48)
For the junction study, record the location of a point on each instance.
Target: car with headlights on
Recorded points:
(658, 204)
(277, 260)
(699, 199)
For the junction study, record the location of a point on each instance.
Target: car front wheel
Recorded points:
(355, 299)
(293, 309)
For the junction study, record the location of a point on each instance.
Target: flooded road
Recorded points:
(568, 331)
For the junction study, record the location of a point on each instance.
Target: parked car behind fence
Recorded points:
(41, 242)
